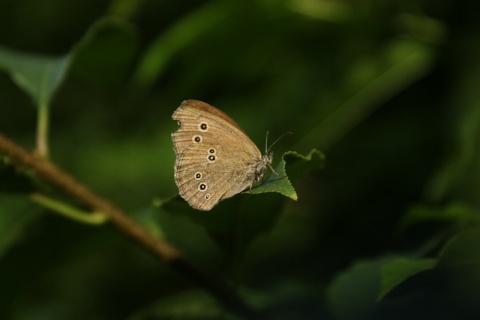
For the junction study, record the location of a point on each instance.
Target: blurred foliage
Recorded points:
(388, 90)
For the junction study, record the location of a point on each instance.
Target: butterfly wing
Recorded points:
(215, 158)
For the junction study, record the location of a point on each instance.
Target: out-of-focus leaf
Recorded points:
(104, 56)
(275, 300)
(456, 213)
(407, 62)
(400, 269)
(234, 223)
(15, 213)
(459, 168)
(191, 304)
(353, 293)
(38, 75)
(460, 263)
(176, 225)
(177, 37)
(462, 249)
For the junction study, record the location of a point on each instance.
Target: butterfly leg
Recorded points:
(275, 172)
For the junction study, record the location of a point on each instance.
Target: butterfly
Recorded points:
(215, 159)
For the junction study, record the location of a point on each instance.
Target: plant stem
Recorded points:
(42, 130)
(91, 218)
(158, 247)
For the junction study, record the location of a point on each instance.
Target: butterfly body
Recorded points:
(215, 159)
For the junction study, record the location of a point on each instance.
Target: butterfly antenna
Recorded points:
(267, 150)
(283, 135)
(266, 143)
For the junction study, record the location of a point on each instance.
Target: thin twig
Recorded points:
(71, 212)
(160, 248)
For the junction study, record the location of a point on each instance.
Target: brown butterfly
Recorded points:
(215, 157)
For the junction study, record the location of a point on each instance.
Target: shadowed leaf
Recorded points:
(400, 269)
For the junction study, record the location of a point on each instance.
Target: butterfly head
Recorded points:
(262, 165)
(267, 159)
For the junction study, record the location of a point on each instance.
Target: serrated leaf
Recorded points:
(38, 75)
(277, 182)
(298, 166)
(400, 269)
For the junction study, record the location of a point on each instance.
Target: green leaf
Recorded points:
(462, 249)
(277, 182)
(38, 75)
(400, 269)
(191, 304)
(16, 211)
(460, 263)
(353, 293)
(180, 34)
(458, 168)
(175, 220)
(233, 224)
(105, 54)
(458, 213)
(399, 64)
(298, 166)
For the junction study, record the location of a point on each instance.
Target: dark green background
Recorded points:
(388, 90)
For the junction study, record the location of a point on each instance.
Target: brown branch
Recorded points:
(160, 248)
